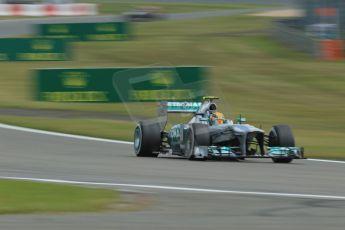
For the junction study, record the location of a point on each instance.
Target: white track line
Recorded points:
(17, 128)
(185, 189)
(327, 161)
(4, 126)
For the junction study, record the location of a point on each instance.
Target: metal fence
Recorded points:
(325, 12)
(291, 33)
(321, 32)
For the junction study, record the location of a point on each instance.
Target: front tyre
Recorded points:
(147, 139)
(198, 135)
(189, 144)
(201, 134)
(282, 160)
(281, 136)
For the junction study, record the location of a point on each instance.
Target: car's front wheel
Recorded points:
(198, 135)
(281, 136)
(282, 160)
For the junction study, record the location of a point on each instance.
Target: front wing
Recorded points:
(232, 152)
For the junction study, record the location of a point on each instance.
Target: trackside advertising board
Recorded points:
(102, 31)
(120, 84)
(33, 49)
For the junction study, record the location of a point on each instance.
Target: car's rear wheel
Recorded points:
(147, 139)
(281, 136)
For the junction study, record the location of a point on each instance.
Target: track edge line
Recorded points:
(58, 134)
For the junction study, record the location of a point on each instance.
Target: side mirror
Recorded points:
(241, 120)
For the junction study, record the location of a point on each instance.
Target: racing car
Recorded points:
(143, 14)
(209, 135)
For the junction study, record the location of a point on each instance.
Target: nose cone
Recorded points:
(244, 129)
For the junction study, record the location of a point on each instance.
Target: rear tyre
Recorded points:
(281, 136)
(147, 139)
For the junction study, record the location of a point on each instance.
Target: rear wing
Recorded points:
(181, 107)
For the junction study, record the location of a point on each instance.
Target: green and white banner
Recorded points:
(100, 31)
(34, 49)
(121, 84)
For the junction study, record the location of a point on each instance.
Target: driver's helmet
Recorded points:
(217, 118)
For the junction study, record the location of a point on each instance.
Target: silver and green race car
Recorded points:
(209, 135)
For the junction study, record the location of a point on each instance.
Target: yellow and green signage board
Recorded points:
(98, 31)
(33, 49)
(120, 84)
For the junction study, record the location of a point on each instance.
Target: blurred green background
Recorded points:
(252, 73)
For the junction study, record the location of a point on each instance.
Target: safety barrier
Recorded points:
(290, 33)
(332, 50)
(77, 9)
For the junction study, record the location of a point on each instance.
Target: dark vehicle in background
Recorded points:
(143, 14)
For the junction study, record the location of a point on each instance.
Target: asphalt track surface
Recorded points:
(51, 113)
(27, 26)
(254, 194)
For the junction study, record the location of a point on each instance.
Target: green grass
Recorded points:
(119, 6)
(32, 197)
(253, 74)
